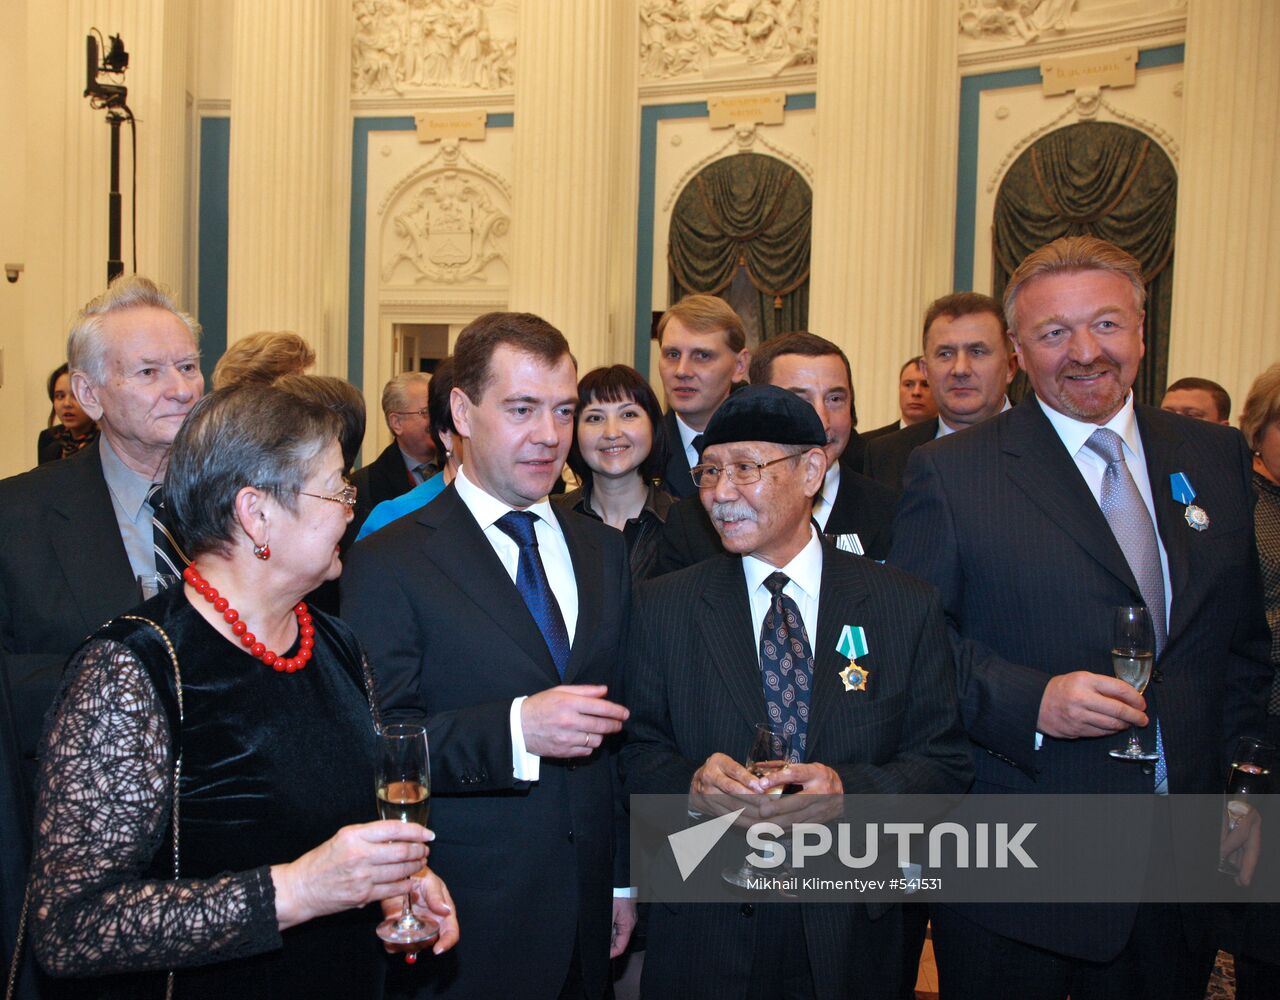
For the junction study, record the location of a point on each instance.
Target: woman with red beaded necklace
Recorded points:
(268, 737)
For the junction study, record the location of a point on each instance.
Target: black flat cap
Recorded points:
(765, 413)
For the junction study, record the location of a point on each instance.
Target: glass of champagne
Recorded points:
(404, 792)
(770, 750)
(1250, 774)
(1133, 651)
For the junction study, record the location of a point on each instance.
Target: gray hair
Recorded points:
(248, 435)
(86, 349)
(1261, 406)
(395, 394)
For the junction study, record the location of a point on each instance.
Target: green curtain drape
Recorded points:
(746, 211)
(1098, 179)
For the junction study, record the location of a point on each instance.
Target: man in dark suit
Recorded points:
(853, 511)
(410, 459)
(509, 623)
(969, 364)
(702, 352)
(1037, 524)
(78, 533)
(703, 669)
(915, 399)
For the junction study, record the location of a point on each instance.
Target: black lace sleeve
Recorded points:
(105, 799)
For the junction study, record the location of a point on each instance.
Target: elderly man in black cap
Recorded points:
(762, 633)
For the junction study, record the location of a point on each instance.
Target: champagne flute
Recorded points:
(1133, 651)
(770, 749)
(403, 780)
(1250, 774)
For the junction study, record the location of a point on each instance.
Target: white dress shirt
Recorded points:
(804, 583)
(554, 550)
(826, 499)
(945, 428)
(687, 434)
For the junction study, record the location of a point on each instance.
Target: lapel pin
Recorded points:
(853, 643)
(1184, 493)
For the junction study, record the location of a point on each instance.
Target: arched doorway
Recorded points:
(741, 229)
(1100, 179)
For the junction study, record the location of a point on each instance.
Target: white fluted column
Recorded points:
(1226, 282)
(564, 158)
(884, 191)
(286, 250)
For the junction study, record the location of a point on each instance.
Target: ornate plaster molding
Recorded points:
(714, 38)
(454, 220)
(400, 46)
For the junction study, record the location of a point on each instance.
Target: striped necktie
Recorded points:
(170, 560)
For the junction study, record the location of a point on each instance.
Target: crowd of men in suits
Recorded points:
(981, 544)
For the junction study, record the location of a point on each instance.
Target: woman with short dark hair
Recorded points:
(256, 714)
(619, 452)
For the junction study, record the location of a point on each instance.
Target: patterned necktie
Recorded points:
(531, 581)
(169, 558)
(786, 665)
(422, 472)
(1130, 521)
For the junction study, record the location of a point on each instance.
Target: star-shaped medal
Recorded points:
(854, 677)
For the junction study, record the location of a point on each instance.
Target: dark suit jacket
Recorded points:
(870, 436)
(887, 456)
(861, 506)
(1009, 486)
(694, 689)
(382, 479)
(676, 480)
(450, 640)
(63, 572)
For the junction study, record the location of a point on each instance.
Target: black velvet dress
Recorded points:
(272, 765)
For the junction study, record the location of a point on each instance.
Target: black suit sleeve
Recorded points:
(470, 746)
(651, 763)
(999, 700)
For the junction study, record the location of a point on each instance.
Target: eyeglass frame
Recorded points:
(347, 497)
(696, 472)
(424, 413)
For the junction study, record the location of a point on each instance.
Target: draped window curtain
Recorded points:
(750, 212)
(1098, 179)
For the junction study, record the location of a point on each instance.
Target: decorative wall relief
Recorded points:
(1018, 19)
(715, 37)
(403, 45)
(446, 223)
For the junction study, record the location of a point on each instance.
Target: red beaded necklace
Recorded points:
(284, 664)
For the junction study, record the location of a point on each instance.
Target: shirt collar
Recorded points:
(804, 570)
(687, 433)
(830, 484)
(129, 488)
(486, 509)
(1074, 433)
(945, 428)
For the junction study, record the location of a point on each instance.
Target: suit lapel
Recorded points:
(1161, 450)
(459, 551)
(588, 573)
(840, 604)
(733, 649)
(86, 542)
(1042, 469)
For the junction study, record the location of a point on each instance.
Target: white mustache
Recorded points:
(732, 511)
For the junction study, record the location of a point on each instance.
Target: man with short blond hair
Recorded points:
(702, 352)
(1035, 526)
